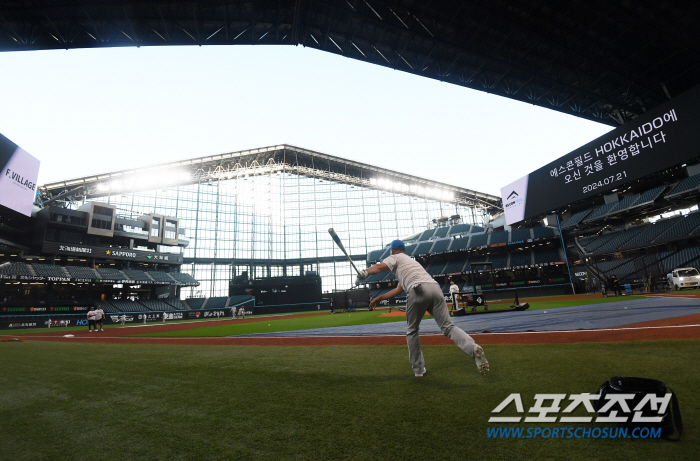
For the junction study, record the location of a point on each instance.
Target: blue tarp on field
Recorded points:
(589, 317)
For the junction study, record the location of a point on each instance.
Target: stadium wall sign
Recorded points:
(661, 138)
(39, 278)
(20, 171)
(111, 253)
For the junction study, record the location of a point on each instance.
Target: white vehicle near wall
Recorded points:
(684, 277)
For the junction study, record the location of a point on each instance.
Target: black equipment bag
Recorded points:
(671, 424)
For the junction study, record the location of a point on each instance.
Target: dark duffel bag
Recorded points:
(671, 424)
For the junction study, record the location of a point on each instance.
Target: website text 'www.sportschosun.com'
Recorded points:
(573, 432)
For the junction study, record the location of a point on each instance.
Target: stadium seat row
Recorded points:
(101, 273)
(422, 246)
(661, 231)
(520, 258)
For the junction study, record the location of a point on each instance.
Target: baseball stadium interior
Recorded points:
(217, 231)
(222, 296)
(249, 229)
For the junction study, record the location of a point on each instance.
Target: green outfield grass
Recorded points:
(339, 319)
(342, 319)
(20, 331)
(73, 401)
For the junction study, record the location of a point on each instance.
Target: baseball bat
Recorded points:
(337, 241)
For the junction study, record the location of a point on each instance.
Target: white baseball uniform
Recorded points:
(424, 293)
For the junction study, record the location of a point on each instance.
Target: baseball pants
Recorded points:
(429, 297)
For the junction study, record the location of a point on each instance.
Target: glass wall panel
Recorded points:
(240, 224)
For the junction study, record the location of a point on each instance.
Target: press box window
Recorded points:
(101, 224)
(170, 229)
(155, 227)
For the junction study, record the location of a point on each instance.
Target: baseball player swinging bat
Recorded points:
(337, 241)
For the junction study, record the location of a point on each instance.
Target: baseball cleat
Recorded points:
(481, 363)
(420, 375)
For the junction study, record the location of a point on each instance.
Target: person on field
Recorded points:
(165, 316)
(423, 294)
(241, 313)
(233, 313)
(91, 319)
(454, 292)
(616, 285)
(99, 317)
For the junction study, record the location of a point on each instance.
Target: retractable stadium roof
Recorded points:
(266, 160)
(603, 60)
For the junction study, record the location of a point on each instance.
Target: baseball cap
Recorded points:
(398, 245)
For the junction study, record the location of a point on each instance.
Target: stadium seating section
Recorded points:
(175, 304)
(648, 196)
(423, 248)
(600, 212)
(105, 306)
(102, 273)
(426, 234)
(233, 300)
(520, 258)
(126, 305)
(627, 269)
(160, 276)
(435, 268)
(663, 230)
(155, 304)
(441, 232)
(217, 302)
(682, 228)
(440, 246)
(459, 229)
(547, 255)
(49, 270)
(610, 209)
(459, 237)
(499, 237)
(620, 238)
(80, 272)
(650, 233)
(459, 244)
(15, 269)
(137, 275)
(195, 303)
(499, 261)
(517, 235)
(454, 266)
(478, 240)
(687, 185)
(576, 218)
(541, 232)
(183, 278)
(374, 256)
(111, 274)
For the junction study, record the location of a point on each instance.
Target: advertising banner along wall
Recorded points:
(662, 138)
(18, 179)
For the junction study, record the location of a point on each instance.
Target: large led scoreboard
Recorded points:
(662, 138)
